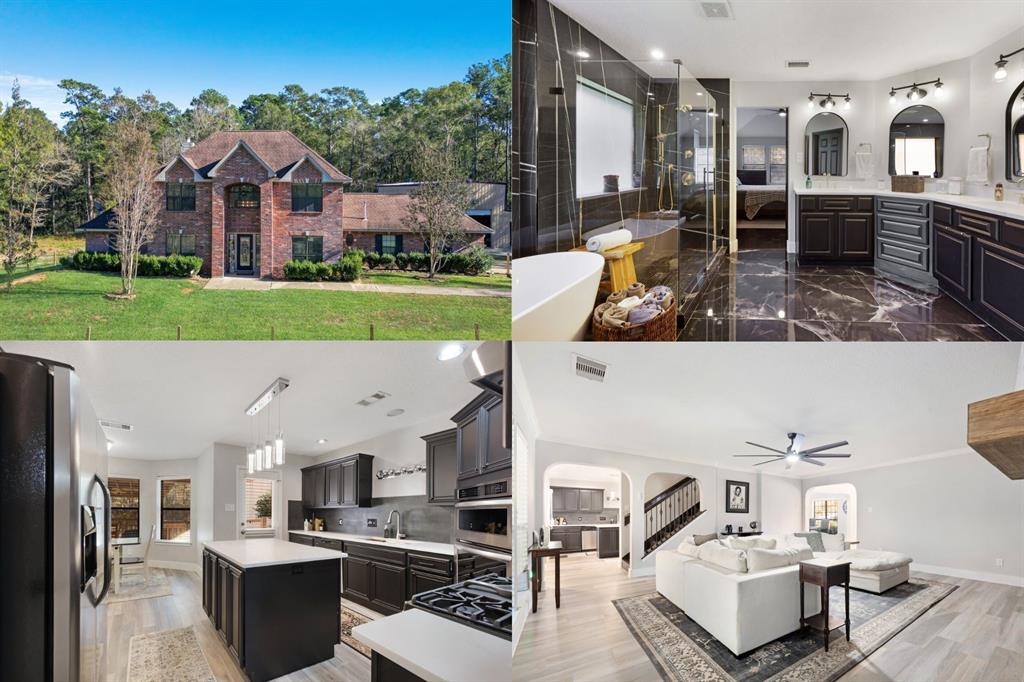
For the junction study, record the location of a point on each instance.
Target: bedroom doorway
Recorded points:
(832, 509)
(762, 144)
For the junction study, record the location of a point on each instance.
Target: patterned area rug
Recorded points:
(168, 656)
(134, 586)
(683, 651)
(349, 620)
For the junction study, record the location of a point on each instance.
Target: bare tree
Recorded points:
(133, 165)
(439, 204)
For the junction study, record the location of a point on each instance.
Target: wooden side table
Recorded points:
(619, 259)
(825, 574)
(537, 554)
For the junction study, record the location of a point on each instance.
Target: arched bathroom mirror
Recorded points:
(1015, 135)
(916, 137)
(826, 139)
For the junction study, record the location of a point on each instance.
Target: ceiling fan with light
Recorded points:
(794, 452)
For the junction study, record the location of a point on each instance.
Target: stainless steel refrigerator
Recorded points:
(54, 525)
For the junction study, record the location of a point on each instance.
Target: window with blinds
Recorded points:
(259, 504)
(124, 510)
(175, 517)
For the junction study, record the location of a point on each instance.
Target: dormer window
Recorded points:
(244, 196)
(307, 197)
(181, 196)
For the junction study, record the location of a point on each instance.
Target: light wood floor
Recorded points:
(184, 607)
(976, 634)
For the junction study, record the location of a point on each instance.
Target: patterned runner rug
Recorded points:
(349, 620)
(168, 656)
(683, 651)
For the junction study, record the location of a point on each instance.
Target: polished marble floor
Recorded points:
(764, 295)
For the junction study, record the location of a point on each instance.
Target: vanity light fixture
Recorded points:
(782, 113)
(828, 102)
(582, 54)
(915, 92)
(1000, 74)
(321, 441)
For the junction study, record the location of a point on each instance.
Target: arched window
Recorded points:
(244, 196)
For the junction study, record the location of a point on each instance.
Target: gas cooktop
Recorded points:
(484, 603)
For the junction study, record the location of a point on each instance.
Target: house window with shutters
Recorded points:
(389, 243)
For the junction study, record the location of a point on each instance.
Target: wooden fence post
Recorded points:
(179, 332)
(371, 331)
(273, 333)
(476, 330)
(88, 333)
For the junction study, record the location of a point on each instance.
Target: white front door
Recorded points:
(258, 504)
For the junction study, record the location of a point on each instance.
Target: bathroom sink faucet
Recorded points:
(398, 526)
(1020, 188)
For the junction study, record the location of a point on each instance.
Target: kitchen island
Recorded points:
(275, 604)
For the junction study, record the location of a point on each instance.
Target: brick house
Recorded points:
(246, 202)
(373, 222)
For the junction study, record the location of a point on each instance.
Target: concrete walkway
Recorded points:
(253, 284)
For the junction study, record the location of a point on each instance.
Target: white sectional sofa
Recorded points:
(742, 609)
(870, 570)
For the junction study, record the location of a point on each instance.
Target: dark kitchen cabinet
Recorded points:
(568, 500)
(387, 587)
(224, 619)
(422, 581)
(300, 539)
(441, 466)
(836, 228)
(571, 537)
(998, 281)
(236, 613)
(345, 482)
(479, 448)
(903, 239)
(572, 499)
(332, 472)
(951, 262)
(607, 542)
(355, 578)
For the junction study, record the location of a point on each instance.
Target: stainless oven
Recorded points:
(483, 528)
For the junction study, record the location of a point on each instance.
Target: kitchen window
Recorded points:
(181, 196)
(181, 244)
(175, 510)
(307, 197)
(124, 510)
(308, 248)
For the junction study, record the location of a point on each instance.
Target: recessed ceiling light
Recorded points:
(657, 54)
(782, 314)
(700, 94)
(582, 54)
(395, 412)
(451, 351)
(321, 441)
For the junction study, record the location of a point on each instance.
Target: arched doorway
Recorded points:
(580, 497)
(832, 508)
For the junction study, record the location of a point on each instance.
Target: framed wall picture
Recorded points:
(737, 497)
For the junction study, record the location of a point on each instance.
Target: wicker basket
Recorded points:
(661, 328)
(908, 183)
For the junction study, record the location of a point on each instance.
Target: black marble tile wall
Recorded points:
(420, 521)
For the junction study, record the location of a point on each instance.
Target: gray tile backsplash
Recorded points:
(606, 516)
(420, 521)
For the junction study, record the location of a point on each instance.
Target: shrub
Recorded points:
(477, 260)
(387, 261)
(323, 271)
(345, 270)
(357, 254)
(402, 261)
(302, 270)
(149, 266)
(349, 268)
(419, 261)
(372, 259)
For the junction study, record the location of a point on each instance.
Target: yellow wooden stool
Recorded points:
(619, 259)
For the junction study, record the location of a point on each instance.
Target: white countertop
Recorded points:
(1011, 208)
(438, 649)
(588, 525)
(414, 545)
(269, 552)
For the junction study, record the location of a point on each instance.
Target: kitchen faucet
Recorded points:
(398, 526)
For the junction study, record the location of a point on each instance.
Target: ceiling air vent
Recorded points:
(797, 64)
(590, 369)
(371, 399)
(718, 9)
(109, 424)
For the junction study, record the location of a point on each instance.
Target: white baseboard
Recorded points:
(641, 572)
(790, 246)
(519, 623)
(983, 576)
(176, 565)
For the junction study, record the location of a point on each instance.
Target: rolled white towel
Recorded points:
(977, 165)
(609, 240)
(629, 302)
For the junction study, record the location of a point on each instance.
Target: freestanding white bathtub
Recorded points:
(553, 295)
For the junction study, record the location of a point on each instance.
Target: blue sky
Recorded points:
(176, 49)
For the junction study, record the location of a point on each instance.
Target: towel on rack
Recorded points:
(865, 161)
(977, 164)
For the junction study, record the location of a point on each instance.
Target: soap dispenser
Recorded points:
(807, 182)
(999, 191)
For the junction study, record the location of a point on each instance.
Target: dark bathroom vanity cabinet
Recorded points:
(836, 229)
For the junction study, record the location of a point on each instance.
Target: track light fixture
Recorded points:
(915, 92)
(1000, 74)
(828, 101)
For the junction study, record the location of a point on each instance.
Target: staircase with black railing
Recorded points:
(669, 512)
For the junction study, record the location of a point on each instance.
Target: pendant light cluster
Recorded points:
(1000, 74)
(915, 93)
(266, 450)
(828, 101)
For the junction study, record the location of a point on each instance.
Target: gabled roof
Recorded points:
(278, 150)
(324, 173)
(373, 212)
(100, 223)
(162, 175)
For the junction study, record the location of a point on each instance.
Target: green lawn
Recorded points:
(67, 302)
(49, 249)
(402, 277)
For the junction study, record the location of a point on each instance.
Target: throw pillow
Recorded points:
(833, 543)
(689, 549)
(813, 539)
(701, 539)
(765, 543)
(765, 559)
(720, 555)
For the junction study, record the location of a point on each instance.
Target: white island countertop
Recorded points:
(269, 552)
(438, 649)
(1011, 208)
(586, 525)
(414, 545)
